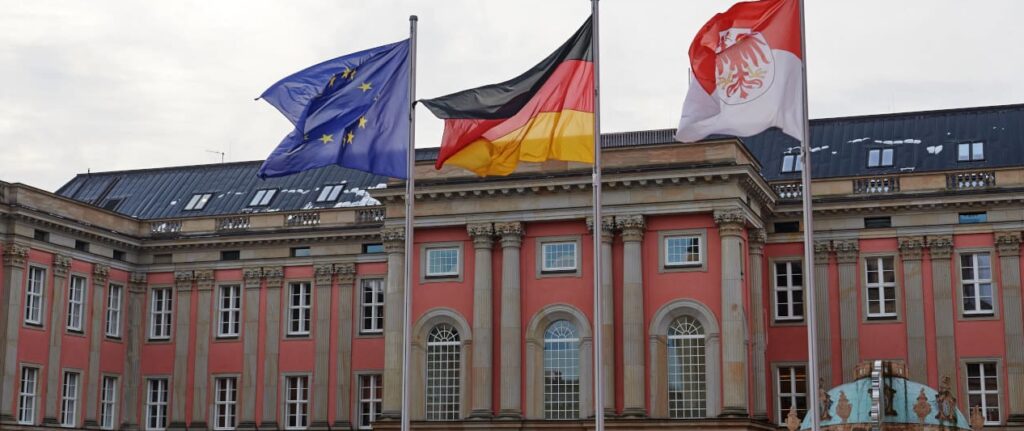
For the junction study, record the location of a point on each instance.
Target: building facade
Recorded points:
(201, 297)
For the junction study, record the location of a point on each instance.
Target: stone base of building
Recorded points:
(720, 424)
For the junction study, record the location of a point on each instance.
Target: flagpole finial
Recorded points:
(414, 18)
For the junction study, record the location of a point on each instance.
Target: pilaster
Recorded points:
(510, 402)
(911, 251)
(200, 381)
(941, 250)
(822, 254)
(272, 346)
(847, 253)
(323, 275)
(133, 333)
(632, 228)
(346, 275)
(182, 307)
(607, 233)
(394, 329)
(90, 407)
(755, 245)
(251, 278)
(15, 258)
(483, 320)
(58, 306)
(731, 225)
(1008, 245)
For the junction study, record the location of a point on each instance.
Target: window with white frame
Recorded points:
(970, 152)
(299, 304)
(262, 197)
(983, 389)
(198, 201)
(792, 163)
(682, 250)
(108, 403)
(791, 382)
(330, 193)
(789, 291)
(443, 262)
(114, 293)
(76, 303)
(881, 287)
(69, 400)
(225, 403)
(561, 371)
(156, 404)
(687, 384)
(372, 297)
(880, 157)
(34, 295)
(160, 314)
(27, 395)
(370, 400)
(976, 282)
(296, 408)
(444, 357)
(229, 312)
(558, 256)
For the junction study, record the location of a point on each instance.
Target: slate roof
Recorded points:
(922, 141)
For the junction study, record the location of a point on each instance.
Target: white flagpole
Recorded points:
(410, 185)
(597, 226)
(805, 176)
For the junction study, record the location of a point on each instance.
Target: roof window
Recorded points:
(880, 157)
(330, 193)
(792, 163)
(970, 152)
(198, 201)
(262, 198)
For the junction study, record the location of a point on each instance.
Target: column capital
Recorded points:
(911, 248)
(607, 227)
(941, 247)
(183, 280)
(511, 233)
(730, 221)
(204, 279)
(323, 273)
(1008, 243)
(61, 265)
(346, 273)
(756, 239)
(274, 275)
(846, 251)
(482, 234)
(251, 277)
(821, 251)
(15, 254)
(137, 282)
(394, 239)
(631, 227)
(100, 273)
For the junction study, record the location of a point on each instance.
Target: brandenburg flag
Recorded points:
(746, 73)
(545, 113)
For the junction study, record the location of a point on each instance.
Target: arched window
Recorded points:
(687, 388)
(561, 371)
(444, 359)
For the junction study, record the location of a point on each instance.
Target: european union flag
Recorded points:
(352, 111)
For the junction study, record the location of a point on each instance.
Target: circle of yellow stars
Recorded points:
(350, 136)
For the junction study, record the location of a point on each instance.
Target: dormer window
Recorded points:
(198, 201)
(330, 193)
(880, 157)
(792, 163)
(970, 152)
(262, 198)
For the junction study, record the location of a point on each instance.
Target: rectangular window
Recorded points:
(81, 245)
(299, 301)
(983, 389)
(973, 217)
(881, 286)
(682, 251)
(156, 404)
(225, 401)
(34, 295)
(787, 227)
(443, 262)
(877, 222)
(789, 291)
(113, 329)
(230, 313)
(300, 252)
(970, 152)
(108, 403)
(880, 157)
(230, 255)
(119, 255)
(370, 400)
(373, 248)
(792, 387)
(792, 163)
(558, 257)
(296, 406)
(330, 193)
(41, 235)
(27, 396)
(76, 303)
(372, 295)
(162, 258)
(69, 401)
(262, 198)
(160, 314)
(198, 201)
(976, 282)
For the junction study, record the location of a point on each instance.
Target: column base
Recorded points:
(319, 426)
(128, 426)
(634, 412)
(246, 426)
(341, 425)
(268, 426)
(480, 415)
(177, 426)
(509, 415)
(90, 423)
(734, 412)
(51, 422)
(609, 412)
(1015, 419)
(197, 425)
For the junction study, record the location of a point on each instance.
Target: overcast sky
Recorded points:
(112, 85)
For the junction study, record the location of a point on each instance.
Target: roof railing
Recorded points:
(373, 214)
(164, 227)
(970, 180)
(233, 223)
(305, 218)
(788, 191)
(876, 185)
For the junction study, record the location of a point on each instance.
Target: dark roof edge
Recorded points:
(919, 113)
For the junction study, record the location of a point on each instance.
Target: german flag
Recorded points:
(545, 113)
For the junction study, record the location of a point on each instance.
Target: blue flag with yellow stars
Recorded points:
(352, 111)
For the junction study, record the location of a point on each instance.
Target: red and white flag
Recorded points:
(746, 73)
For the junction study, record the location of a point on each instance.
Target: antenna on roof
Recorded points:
(217, 152)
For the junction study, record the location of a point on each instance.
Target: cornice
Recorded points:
(126, 241)
(898, 202)
(255, 239)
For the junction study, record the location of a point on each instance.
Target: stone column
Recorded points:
(201, 380)
(15, 258)
(917, 355)
(250, 348)
(90, 399)
(822, 253)
(346, 273)
(731, 224)
(323, 276)
(271, 377)
(847, 252)
(483, 320)
(757, 238)
(1008, 245)
(633, 371)
(134, 331)
(941, 250)
(58, 303)
(607, 312)
(394, 329)
(182, 308)
(511, 321)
